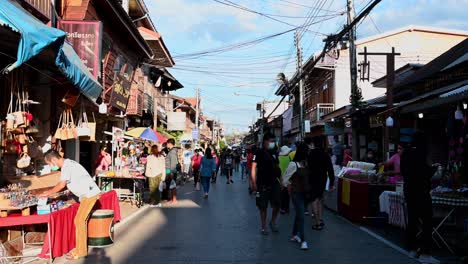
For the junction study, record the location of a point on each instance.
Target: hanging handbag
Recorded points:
(34, 150)
(22, 138)
(82, 128)
(33, 127)
(71, 127)
(10, 118)
(92, 128)
(20, 118)
(24, 161)
(58, 132)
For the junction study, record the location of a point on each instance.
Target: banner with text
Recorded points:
(120, 93)
(86, 39)
(176, 121)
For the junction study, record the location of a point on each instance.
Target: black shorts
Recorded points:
(270, 195)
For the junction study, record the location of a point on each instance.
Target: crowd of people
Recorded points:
(296, 173)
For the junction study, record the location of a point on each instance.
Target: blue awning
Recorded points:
(36, 37)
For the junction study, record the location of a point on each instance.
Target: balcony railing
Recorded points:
(316, 114)
(42, 9)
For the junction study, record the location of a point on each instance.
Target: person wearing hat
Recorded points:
(284, 159)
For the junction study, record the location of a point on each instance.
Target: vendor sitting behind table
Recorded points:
(394, 161)
(370, 157)
(79, 182)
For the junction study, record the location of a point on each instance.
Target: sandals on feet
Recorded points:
(317, 227)
(72, 256)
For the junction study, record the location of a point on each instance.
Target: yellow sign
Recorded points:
(346, 192)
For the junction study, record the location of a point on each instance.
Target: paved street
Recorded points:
(225, 229)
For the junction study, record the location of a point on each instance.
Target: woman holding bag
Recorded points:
(296, 179)
(156, 173)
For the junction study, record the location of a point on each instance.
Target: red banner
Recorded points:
(86, 39)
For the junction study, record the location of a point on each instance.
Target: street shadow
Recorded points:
(97, 255)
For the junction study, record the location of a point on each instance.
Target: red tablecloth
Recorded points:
(61, 226)
(353, 200)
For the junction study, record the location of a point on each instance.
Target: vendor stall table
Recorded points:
(61, 233)
(394, 204)
(452, 204)
(358, 199)
(135, 197)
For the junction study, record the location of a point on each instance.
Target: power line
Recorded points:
(234, 5)
(241, 44)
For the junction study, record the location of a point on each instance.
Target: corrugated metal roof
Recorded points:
(455, 92)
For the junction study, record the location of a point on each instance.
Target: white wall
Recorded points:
(414, 46)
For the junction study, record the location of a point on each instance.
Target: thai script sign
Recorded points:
(86, 39)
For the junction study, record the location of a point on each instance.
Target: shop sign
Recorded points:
(176, 121)
(86, 39)
(348, 125)
(195, 134)
(334, 128)
(376, 120)
(120, 93)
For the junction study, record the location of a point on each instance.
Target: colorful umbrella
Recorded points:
(161, 138)
(143, 133)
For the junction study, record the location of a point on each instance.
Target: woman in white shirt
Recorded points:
(156, 173)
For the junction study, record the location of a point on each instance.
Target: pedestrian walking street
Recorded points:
(225, 228)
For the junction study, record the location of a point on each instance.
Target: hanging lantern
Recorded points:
(158, 82)
(458, 114)
(389, 122)
(103, 108)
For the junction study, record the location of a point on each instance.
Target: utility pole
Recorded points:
(197, 116)
(390, 81)
(297, 42)
(356, 95)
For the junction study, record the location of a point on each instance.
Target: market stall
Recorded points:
(359, 188)
(128, 164)
(61, 235)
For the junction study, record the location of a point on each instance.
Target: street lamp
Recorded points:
(262, 109)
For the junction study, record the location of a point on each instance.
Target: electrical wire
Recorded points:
(234, 5)
(241, 44)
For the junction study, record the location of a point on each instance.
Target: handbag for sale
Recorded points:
(22, 138)
(58, 131)
(19, 114)
(33, 127)
(24, 161)
(34, 150)
(71, 127)
(92, 129)
(82, 129)
(10, 118)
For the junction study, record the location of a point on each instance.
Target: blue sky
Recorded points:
(191, 26)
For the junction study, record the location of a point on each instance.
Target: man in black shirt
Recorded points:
(265, 181)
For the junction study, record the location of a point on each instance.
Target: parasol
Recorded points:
(161, 138)
(143, 133)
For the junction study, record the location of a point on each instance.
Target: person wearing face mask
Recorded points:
(370, 157)
(77, 180)
(265, 182)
